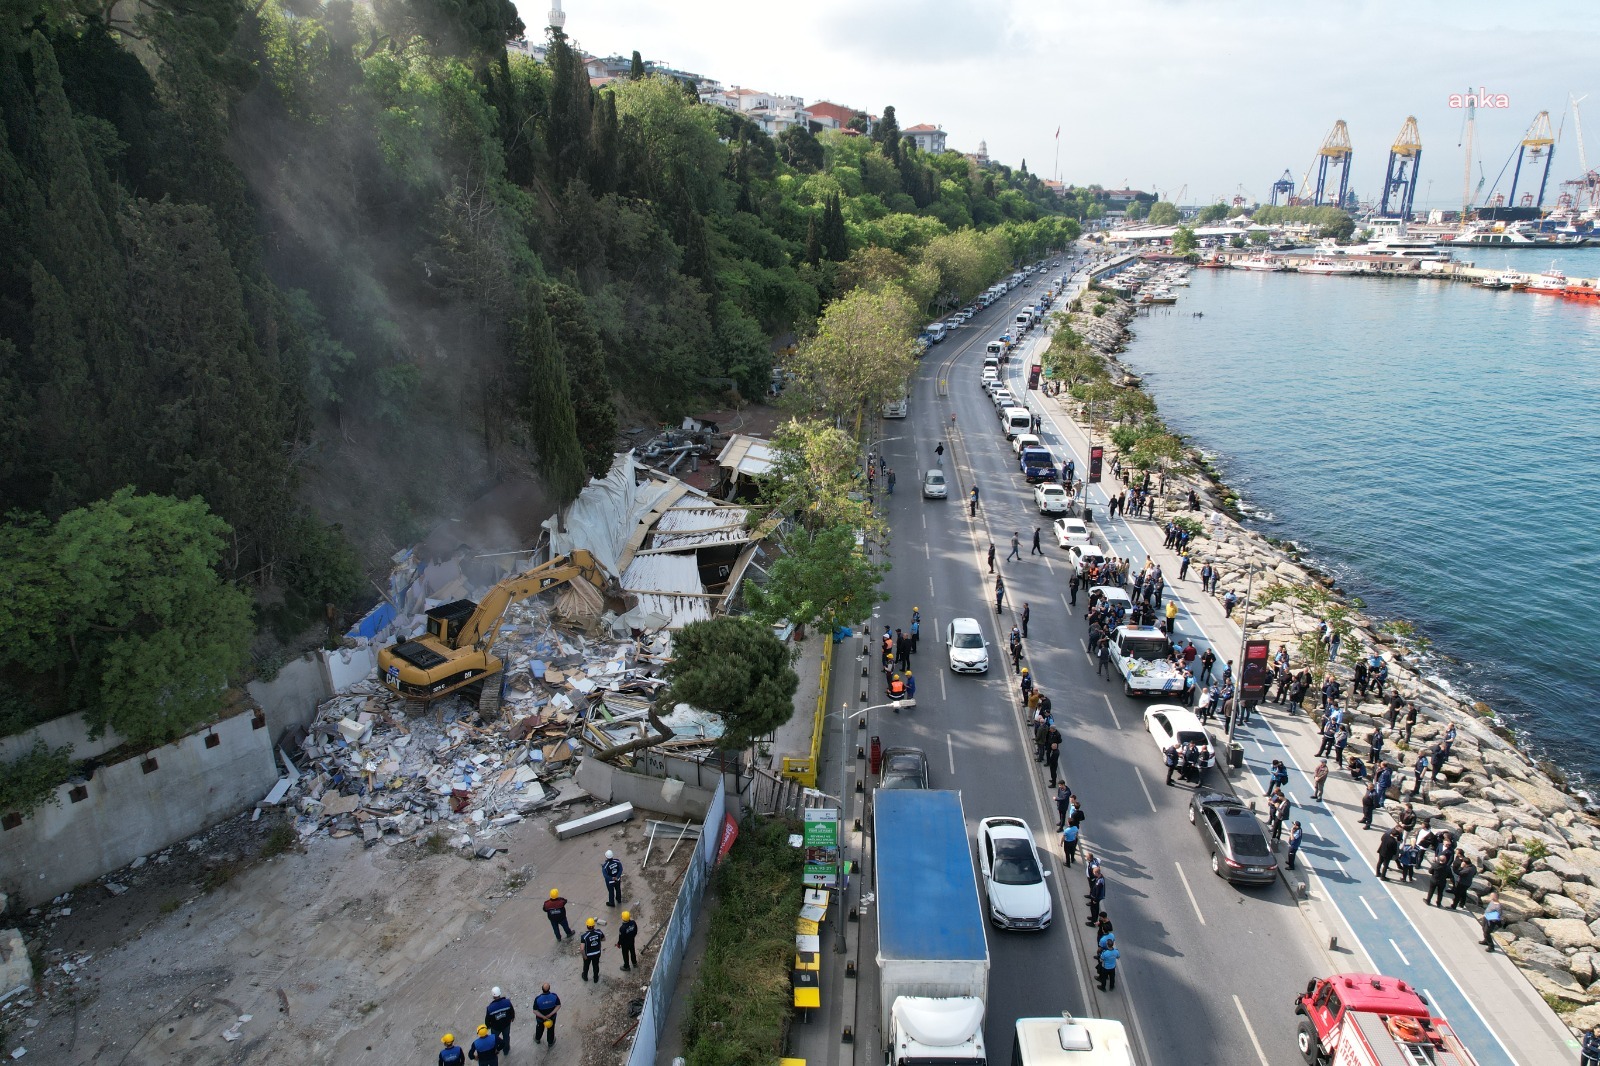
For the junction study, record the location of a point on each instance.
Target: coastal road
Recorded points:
(1206, 967)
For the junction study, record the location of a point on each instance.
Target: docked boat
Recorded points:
(1513, 237)
(1494, 282)
(1259, 262)
(1550, 283)
(1583, 291)
(1328, 266)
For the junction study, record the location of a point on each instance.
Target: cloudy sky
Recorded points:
(1214, 95)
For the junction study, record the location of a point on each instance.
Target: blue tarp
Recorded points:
(374, 622)
(927, 893)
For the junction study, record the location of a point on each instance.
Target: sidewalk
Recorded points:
(1487, 999)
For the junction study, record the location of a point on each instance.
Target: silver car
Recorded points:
(934, 486)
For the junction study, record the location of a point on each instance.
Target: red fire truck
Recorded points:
(1364, 1019)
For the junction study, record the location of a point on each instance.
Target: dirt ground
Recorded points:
(337, 953)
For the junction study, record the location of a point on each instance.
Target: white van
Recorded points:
(1016, 420)
(1024, 319)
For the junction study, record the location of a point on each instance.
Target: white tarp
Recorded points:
(606, 514)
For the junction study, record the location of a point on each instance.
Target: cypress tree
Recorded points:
(66, 429)
(636, 71)
(544, 404)
(835, 239)
(813, 242)
(603, 142)
(571, 101)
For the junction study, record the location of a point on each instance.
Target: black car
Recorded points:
(1238, 844)
(904, 768)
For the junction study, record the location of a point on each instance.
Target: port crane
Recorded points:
(1400, 177)
(1334, 153)
(1284, 187)
(1585, 190)
(1538, 145)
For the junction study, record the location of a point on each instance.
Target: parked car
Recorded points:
(1013, 877)
(903, 768)
(1024, 440)
(933, 485)
(968, 651)
(1079, 556)
(1170, 724)
(1238, 845)
(1051, 498)
(1070, 531)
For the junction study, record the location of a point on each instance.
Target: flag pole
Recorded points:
(1058, 154)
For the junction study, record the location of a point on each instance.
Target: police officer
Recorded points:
(555, 908)
(1106, 964)
(498, 1016)
(627, 932)
(611, 871)
(486, 1049)
(451, 1055)
(591, 940)
(545, 1005)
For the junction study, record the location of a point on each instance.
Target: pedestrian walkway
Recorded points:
(1484, 997)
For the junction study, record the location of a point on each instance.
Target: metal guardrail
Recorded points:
(804, 769)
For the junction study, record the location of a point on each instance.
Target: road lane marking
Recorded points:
(1147, 797)
(1251, 1030)
(927, 552)
(1196, 905)
(1367, 905)
(942, 694)
(1113, 711)
(1398, 952)
(950, 745)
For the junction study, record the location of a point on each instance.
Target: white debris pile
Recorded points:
(365, 767)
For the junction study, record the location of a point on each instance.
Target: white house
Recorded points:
(927, 138)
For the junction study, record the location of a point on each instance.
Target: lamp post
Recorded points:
(1238, 662)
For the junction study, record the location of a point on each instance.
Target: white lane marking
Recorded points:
(1194, 902)
(1367, 905)
(1250, 1029)
(1147, 797)
(950, 745)
(927, 552)
(1342, 870)
(1257, 743)
(1065, 604)
(942, 694)
(1113, 711)
(1047, 565)
(1398, 952)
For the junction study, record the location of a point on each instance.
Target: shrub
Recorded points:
(30, 780)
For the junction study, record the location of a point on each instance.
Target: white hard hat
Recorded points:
(495, 991)
(608, 855)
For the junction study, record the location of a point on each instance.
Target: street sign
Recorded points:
(1254, 678)
(1097, 455)
(821, 841)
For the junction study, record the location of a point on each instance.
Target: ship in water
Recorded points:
(1329, 266)
(1496, 235)
(1259, 262)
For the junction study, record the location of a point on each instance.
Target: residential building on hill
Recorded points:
(925, 137)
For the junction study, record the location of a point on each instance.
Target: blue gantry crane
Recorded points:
(1400, 179)
(1538, 146)
(1334, 153)
(1284, 187)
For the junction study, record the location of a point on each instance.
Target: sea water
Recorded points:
(1433, 445)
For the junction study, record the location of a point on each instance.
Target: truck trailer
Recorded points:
(933, 959)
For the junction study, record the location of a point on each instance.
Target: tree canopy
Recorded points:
(736, 669)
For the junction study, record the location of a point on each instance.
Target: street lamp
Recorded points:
(1244, 636)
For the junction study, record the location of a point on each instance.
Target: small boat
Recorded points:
(1550, 283)
(1259, 262)
(1584, 291)
(1328, 266)
(1495, 282)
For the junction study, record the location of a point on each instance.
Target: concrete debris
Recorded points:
(15, 967)
(598, 820)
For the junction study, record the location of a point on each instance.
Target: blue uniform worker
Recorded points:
(592, 941)
(451, 1055)
(485, 1050)
(545, 1006)
(498, 1016)
(611, 871)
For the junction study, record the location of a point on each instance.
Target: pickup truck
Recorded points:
(1140, 653)
(1038, 465)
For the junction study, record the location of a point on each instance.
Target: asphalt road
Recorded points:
(1208, 970)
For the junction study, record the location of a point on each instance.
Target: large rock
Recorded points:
(1541, 883)
(1556, 981)
(15, 966)
(1566, 932)
(1490, 836)
(1517, 904)
(1583, 1019)
(1445, 797)
(1547, 798)
(1587, 896)
(1587, 859)
(1558, 906)
(1533, 953)
(1582, 965)
(1563, 867)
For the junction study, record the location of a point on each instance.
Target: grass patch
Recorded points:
(171, 906)
(279, 840)
(740, 1008)
(434, 844)
(1560, 1004)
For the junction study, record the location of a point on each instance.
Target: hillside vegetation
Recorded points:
(297, 264)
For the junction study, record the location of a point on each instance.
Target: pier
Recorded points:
(1397, 266)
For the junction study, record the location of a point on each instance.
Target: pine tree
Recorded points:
(813, 242)
(544, 396)
(835, 239)
(887, 134)
(636, 71)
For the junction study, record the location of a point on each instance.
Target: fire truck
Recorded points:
(1364, 1019)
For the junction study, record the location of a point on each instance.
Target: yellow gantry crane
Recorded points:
(1538, 146)
(1335, 152)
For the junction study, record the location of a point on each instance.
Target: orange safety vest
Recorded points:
(897, 688)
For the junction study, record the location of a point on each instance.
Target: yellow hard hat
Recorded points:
(590, 923)
(483, 1030)
(554, 893)
(908, 673)
(1024, 669)
(447, 1039)
(626, 915)
(896, 677)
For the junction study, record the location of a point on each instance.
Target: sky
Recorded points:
(1214, 97)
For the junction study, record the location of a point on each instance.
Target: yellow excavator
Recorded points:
(457, 650)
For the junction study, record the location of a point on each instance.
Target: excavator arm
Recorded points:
(483, 626)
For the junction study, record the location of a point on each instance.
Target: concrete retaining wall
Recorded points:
(664, 795)
(291, 698)
(126, 812)
(71, 729)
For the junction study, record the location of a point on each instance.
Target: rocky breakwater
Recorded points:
(1533, 841)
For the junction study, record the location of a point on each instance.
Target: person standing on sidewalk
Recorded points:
(1069, 844)
(890, 478)
(1063, 798)
(999, 593)
(1319, 779)
(1172, 619)
(1104, 654)
(1388, 848)
(991, 557)
(545, 1006)
(1072, 587)
(1097, 893)
(1295, 835)
(1016, 547)
(1492, 919)
(1464, 873)
(972, 503)
(1036, 549)
(1052, 760)
(916, 628)
(1369, 803)
(1330, 729)
(1438, 878)
(1208, 659)
(1106, 965)
(1024, 618)
(593, 940)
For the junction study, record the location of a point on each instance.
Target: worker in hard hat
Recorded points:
(627, 932)
(611, 873)
(897, 687)
(592, 940)
(545, 1005)
(498, 1016)
(451, 1055)
(911, 686)
(555, 908)
(485, 1050)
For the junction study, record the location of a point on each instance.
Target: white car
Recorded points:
(1170, 724)
(1025, 440)
(1013, 877)
(968, 651)
(1079, 556)
(1051, 498)
(1070, 531)
(933, 485)
(991, 376)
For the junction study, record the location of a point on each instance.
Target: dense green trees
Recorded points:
(737, 669)
(1163, 213)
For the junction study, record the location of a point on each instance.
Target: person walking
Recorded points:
(1421, 772)
(498, 1016)
(1319, 779)
(991, 557)
(1016, 547)
(611, 874)
(1069, 844)
(1464, 872)
(1295, 835)
(938, 455)
(1063, 799)
(1036, 549)
(545, 1006)
(555, 908)
(1369, 803)
(1208, 659)
(1330, 729)
(485, 1050)
(1024, 618)
(593, 940)
(1106, 965)
(1438, 878)
(451, 1055)
(972, 502)
(891, 481)
(1052, 761)
(1388, 848)
(627, 933)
